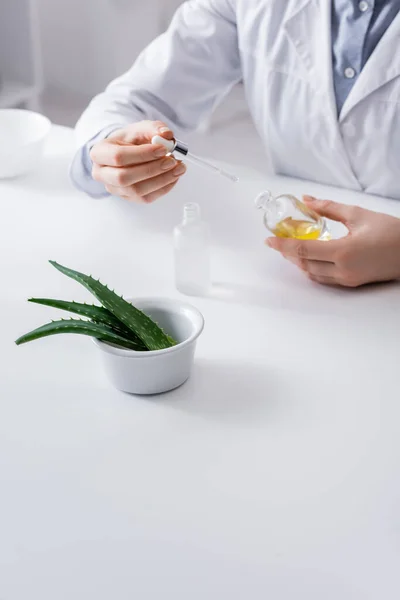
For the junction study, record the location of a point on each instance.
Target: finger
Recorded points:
(130, 194)
(127, 176)
(298, 262)
(119, 192)
(143, 132)
(147, 187)
(320, 269)
(159, 193)
(144, 188)
(111, 154)
(315, 273)
(324, 280)
(308, 249)
(333, 210)
(314, 267)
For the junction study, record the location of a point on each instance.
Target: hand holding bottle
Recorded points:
(369, 253)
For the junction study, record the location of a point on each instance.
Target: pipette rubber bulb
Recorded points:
(160, 141)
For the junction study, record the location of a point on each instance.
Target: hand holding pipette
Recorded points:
(126, 164)
(183, 150)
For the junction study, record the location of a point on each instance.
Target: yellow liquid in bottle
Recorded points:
(299, 230)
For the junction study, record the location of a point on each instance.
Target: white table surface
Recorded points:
(273, 473)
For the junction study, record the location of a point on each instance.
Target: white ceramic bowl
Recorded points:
(22, 138)
(159, 371)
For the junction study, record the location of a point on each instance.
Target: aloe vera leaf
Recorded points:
(98, 314)
(78, 326)
(149, 332)
(171, 340)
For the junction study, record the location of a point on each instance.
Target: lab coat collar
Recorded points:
(382, 67)
(308, 26)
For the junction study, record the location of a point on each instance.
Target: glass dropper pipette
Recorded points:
(183, 150)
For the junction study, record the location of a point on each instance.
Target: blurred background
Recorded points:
(55, 55)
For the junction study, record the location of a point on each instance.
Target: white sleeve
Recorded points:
(179, 78)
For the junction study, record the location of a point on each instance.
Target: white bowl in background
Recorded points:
(22, 138)
(155, 372)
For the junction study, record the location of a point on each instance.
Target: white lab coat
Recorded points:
(282, 51)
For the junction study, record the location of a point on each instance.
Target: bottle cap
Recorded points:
(191, 212)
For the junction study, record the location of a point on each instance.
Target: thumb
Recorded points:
(331, 210)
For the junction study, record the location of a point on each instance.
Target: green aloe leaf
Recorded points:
(149, 332)
(98, 314)
(80, 327)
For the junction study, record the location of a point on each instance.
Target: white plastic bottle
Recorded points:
(192, 253)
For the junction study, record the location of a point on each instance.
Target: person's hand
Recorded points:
(131, 167)
(369, 253)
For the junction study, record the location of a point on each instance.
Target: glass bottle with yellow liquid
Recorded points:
(287, 217)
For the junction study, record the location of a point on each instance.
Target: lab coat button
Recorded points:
(363, 6)
(349, 73)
